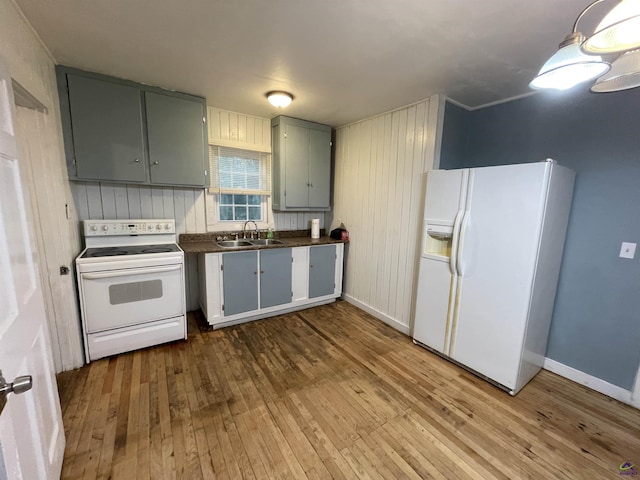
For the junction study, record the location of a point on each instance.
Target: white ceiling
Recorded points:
(343, 60)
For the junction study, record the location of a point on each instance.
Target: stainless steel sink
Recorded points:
(234, 243)
(266, 241)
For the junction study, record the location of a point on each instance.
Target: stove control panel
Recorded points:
(103, 228)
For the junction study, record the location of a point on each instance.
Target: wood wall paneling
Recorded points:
(54, 230)
(379, 177)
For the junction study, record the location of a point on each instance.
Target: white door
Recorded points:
(498, 252)
(31, 432)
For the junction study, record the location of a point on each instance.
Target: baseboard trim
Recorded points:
(594, 383)
(392, 322)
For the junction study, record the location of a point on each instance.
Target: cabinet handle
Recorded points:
(255, 273)
(261, 271)
(155, 163)
(311, 185)
(310, 266)
(137, 160)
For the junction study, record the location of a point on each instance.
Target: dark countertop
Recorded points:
(206, 243)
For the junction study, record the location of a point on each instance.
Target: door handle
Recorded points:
(19, 385)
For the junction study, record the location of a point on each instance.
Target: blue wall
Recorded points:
(596, 321)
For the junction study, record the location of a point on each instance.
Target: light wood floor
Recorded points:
(328, 392)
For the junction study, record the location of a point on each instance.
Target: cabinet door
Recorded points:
(177, 140)
(240, 282)
(322, 270)
(296, 154)
(275, 277)
(106, 120)
(319, 168)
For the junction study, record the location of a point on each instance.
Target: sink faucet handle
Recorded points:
(258, 234)
(236, 234)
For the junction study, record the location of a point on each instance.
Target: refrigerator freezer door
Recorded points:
(445, 194)
(499, 246)
(435, 287)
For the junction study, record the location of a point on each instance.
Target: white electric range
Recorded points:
(131, 285)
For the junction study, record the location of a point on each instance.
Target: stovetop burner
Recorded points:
(129, 250)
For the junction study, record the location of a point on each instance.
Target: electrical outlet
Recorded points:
(628, 250)
(293, 222)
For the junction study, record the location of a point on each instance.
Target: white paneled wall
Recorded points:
(44, 169)
(379, 182)
(231, 129)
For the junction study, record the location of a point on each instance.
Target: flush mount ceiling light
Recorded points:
(578, 58)
(279, 99)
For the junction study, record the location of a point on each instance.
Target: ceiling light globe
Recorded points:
(280, 99)
(619, 30)
(567, 68)
(624, 74)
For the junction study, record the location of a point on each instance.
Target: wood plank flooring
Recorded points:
(328, 392)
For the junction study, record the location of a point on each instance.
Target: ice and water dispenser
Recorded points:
(437, 240)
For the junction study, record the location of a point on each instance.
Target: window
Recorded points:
(240, 186)
(234, 207)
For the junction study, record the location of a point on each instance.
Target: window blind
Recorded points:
(238, 171)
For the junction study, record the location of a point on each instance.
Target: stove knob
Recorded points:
(159, 227)
(167, 226)
(94, 228)
(150, 227)
(105, 227)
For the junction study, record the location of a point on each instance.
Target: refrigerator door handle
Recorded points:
(463, 235)
(453, 263)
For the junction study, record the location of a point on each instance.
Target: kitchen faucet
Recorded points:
(244, 233)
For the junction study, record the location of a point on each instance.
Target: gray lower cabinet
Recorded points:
(239, 286)
(275, 277)
(322, 270)
(108, 142)
(240, 282)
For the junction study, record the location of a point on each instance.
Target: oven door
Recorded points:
(117, 298)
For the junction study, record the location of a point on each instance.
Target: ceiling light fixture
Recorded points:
(624, 74)
(578, 59)
(279, 99)
(619, 30)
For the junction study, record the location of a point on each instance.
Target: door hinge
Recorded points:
(223, 307)
(291, 294)
(221, 268)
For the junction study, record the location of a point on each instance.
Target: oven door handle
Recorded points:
(124, 273)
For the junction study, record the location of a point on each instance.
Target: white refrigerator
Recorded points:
(492, 244)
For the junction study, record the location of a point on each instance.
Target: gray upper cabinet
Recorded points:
(119, 131)
(301, 164)
(176, 140)
(118, 156)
